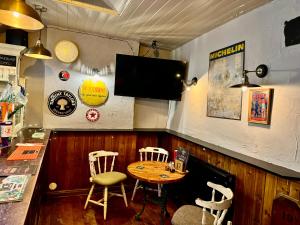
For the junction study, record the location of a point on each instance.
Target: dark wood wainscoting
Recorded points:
(254, 191)
(68, 160)
(255, 188)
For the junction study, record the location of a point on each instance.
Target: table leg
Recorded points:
(163, 206)
(162, 201)
(138, 215)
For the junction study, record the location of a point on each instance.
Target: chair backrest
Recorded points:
(217, 208)
(153, 154)
(102, 161)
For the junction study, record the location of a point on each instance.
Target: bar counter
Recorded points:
(16, 213)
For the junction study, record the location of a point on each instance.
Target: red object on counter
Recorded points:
(174, 155)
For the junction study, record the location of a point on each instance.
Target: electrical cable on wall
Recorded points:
(95, 35)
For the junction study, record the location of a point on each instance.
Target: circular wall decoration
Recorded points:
(66, 51)
(93, 93)
(64, 75)
(92, 115)
(62, 103)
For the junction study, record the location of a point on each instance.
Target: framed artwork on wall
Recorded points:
(226, 67)
(260, 103)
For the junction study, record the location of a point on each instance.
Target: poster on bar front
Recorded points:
(226, 67)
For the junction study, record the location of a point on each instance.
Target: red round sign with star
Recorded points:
(92, 115)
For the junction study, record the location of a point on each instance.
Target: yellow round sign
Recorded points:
(93, 93)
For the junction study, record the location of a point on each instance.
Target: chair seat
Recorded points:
(191, 215)
(108, 178)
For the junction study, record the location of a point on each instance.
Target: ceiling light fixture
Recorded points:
(261, 71)
(16, 13)
(155, 48)
(38, 51)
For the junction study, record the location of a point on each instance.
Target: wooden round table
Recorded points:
(153, 172)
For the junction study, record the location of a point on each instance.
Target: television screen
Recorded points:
(144, 77)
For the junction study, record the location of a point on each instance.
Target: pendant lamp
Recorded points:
(16, 13)
(38, 51)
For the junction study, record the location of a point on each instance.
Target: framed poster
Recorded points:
(226, 67)
(260, 103)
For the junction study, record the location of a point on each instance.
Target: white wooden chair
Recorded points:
(100, 175)
(151, 154)
(211, 213)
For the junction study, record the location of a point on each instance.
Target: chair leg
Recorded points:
(89, 196)
(134, 190)
(105, 202)
(124, 194)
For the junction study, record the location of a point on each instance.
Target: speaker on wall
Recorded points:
(292, 31)
(17, 37)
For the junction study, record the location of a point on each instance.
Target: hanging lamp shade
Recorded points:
(16, 13)
(38, 51)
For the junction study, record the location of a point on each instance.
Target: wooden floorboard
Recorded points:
(69, 211)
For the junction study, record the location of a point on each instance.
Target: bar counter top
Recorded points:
(14, 213)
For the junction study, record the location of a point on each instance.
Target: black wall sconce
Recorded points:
(260, 71)
(188, 84)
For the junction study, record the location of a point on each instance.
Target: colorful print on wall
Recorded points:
(226, 67)
(92, 115)
(64, 75)
(93, 93)
(62, 103)
(260, 103)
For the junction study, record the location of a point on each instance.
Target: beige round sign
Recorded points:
(93, 93)
(66, 51)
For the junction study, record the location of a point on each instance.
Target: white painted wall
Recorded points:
(262, 29)
(34, 72)
(150, 113)
(96, 52)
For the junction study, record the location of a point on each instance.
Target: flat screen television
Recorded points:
(144, 77)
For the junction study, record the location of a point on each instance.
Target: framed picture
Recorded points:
(260, 104)
(226, 68)
(178, 165)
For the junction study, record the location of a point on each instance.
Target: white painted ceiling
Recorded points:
(171, 22)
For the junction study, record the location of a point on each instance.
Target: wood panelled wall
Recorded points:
(255, 188)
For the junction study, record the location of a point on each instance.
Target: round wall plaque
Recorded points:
(92, 115)
(66, 51)
(64, 75)
(62, 103)
(93, 93)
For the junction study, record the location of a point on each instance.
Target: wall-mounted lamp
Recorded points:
(38, 51)
(188, 84)
(260, 71)
(16, 13)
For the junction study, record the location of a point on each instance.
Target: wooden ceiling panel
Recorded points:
(171, 22)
